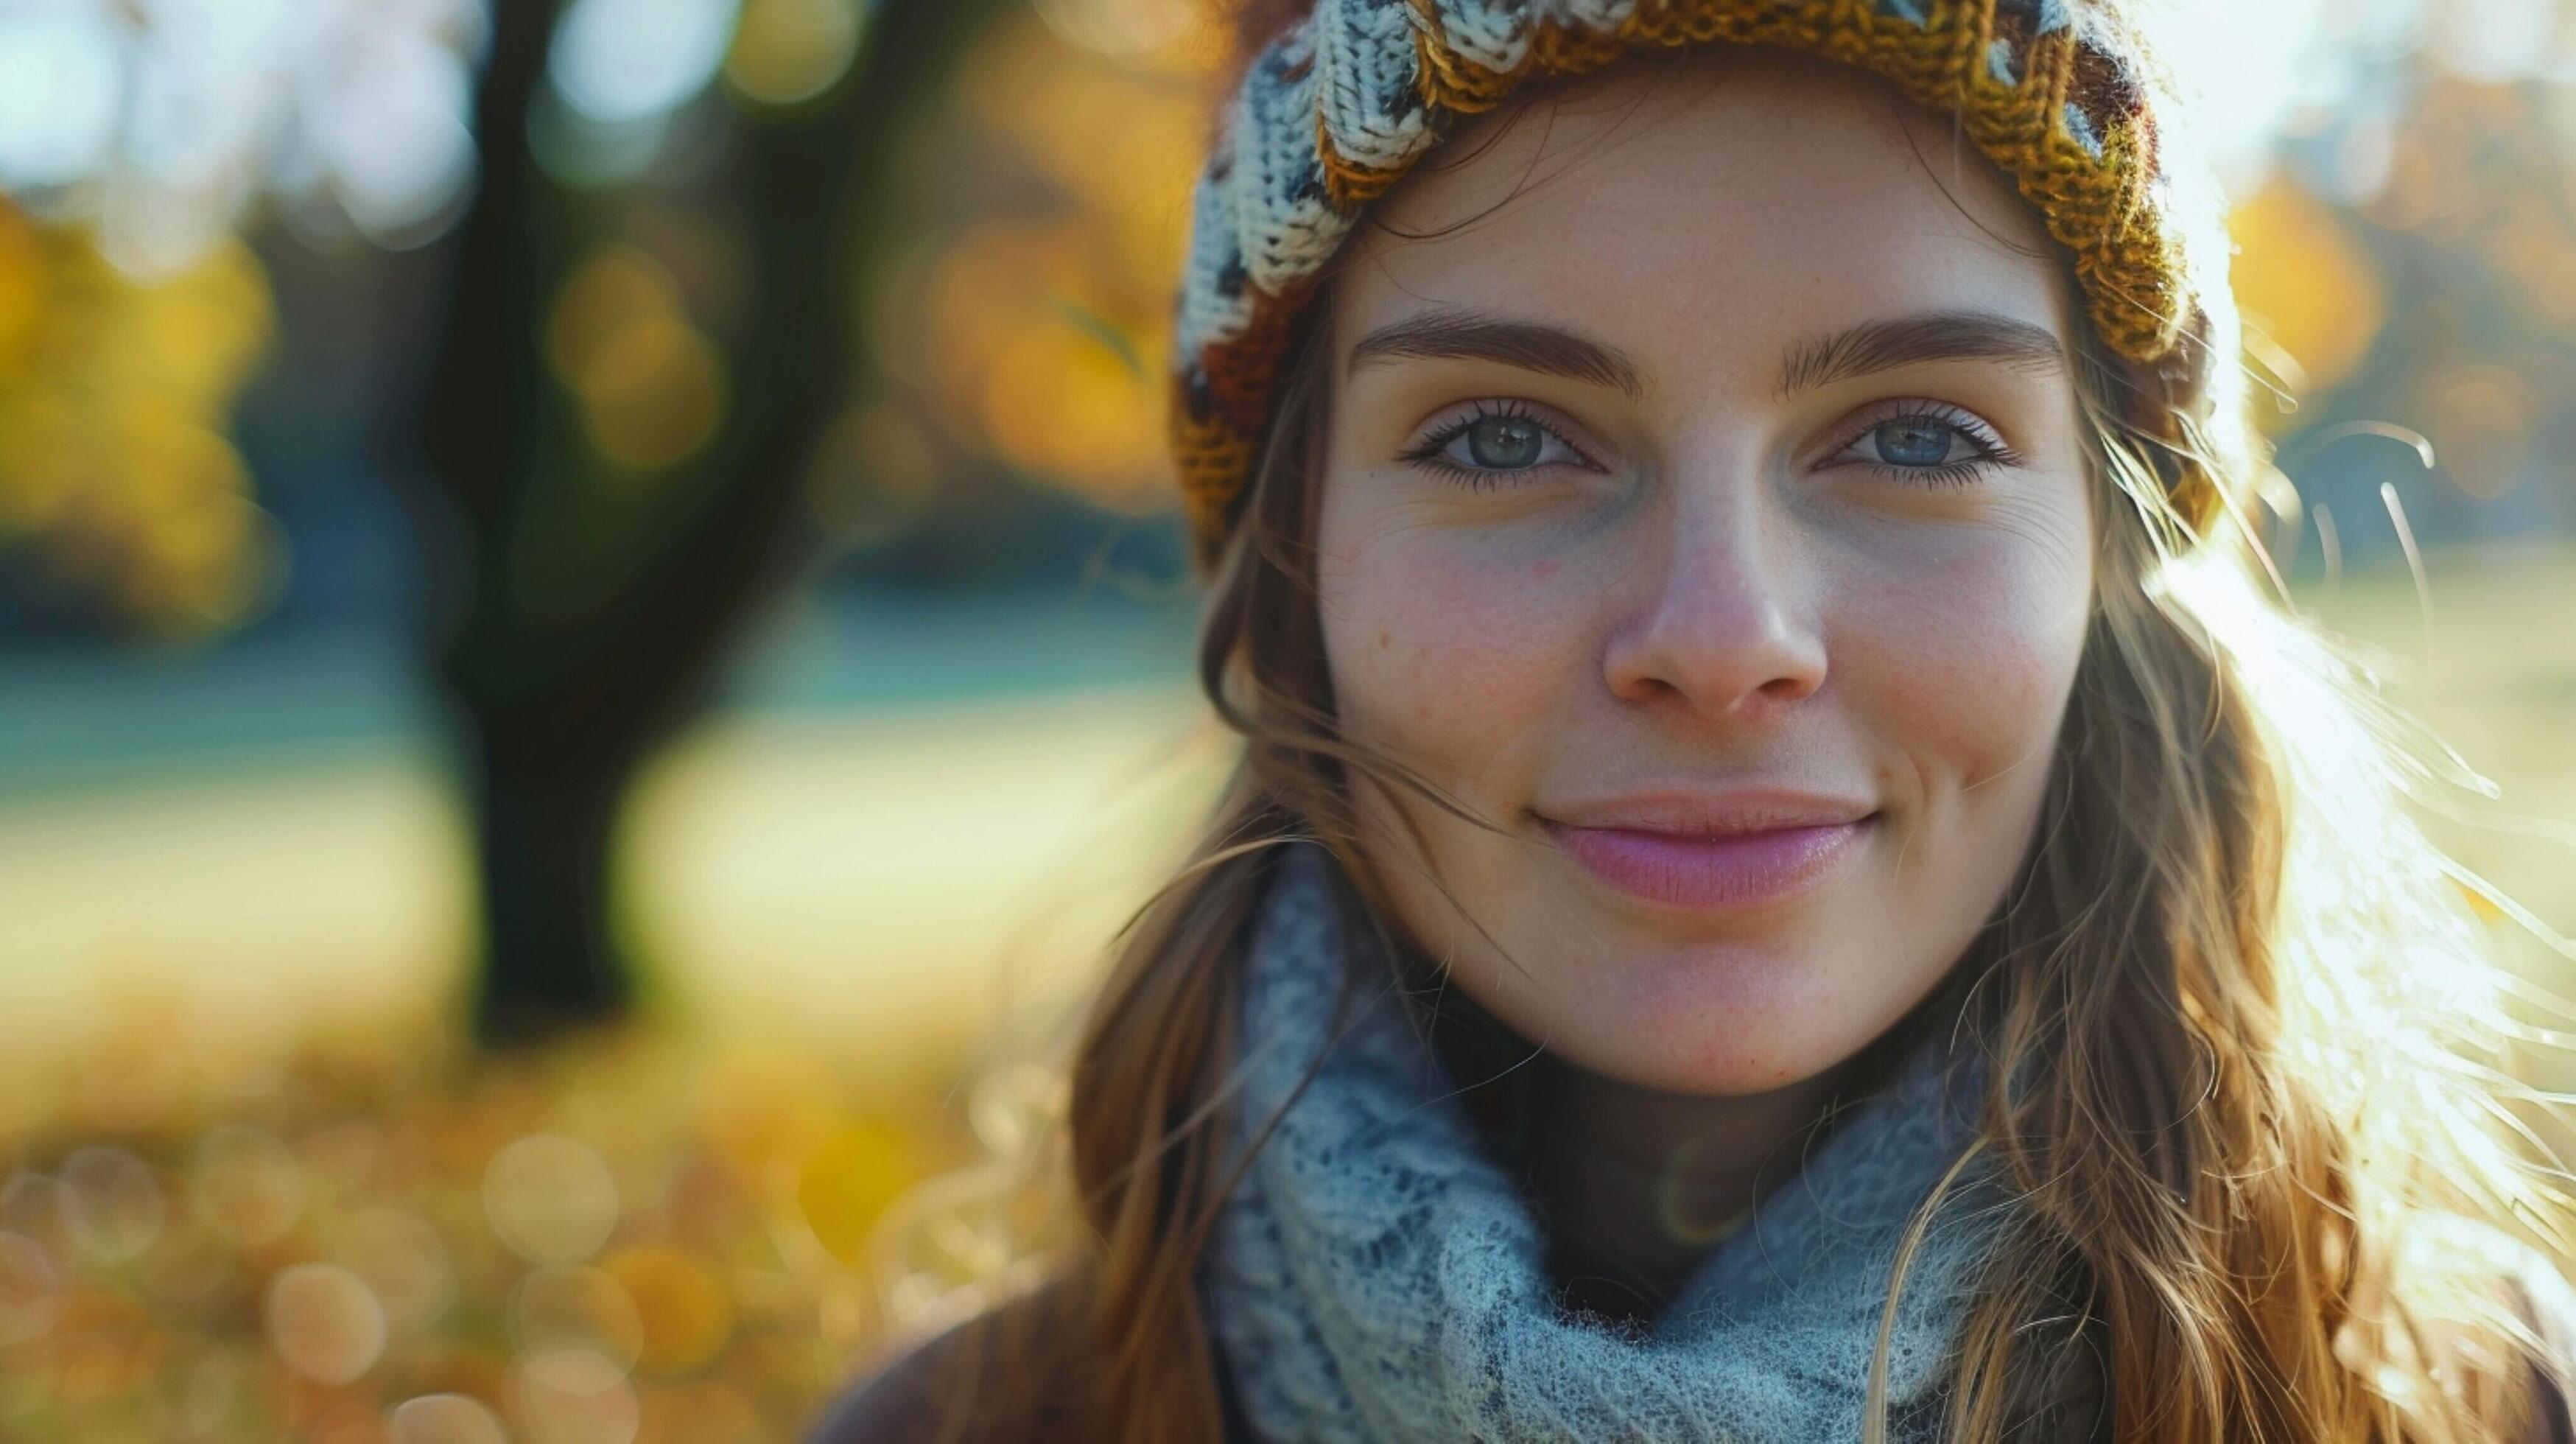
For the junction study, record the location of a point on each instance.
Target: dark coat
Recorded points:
(907, 1400)
(911, 1397)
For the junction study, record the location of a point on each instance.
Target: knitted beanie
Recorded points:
(2063, 95)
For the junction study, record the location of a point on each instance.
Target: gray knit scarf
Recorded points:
(1376, 1276)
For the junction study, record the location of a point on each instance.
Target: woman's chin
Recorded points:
(1724, 1018)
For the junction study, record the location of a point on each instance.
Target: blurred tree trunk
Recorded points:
(566, 659)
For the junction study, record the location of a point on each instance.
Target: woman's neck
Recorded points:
(1636, 1184)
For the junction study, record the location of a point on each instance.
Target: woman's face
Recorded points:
(1703, 505)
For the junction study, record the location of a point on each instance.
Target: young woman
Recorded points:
(1789, 879)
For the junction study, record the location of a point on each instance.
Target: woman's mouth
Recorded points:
(1738, 855)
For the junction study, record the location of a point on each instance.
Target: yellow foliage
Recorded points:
(764, 1111)
(308, 1259)
(1025, 334)
(1122, 144)
(1058, 399)
(22, 292)
(1042, 337)
(847, 1183)
(2312, 299)
(114, 398)
(686, 1314)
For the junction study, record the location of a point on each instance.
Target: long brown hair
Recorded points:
(2241, 1028)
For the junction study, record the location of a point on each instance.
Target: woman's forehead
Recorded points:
(1705, 211)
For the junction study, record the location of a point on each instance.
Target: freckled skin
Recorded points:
(1723, 597)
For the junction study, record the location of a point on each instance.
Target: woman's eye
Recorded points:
(1914, 441)
(1505, 443)
(1493, 443)
(1929, 446)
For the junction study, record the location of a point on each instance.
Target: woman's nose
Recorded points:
(1724, 621)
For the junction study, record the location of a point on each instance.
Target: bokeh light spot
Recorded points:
(650, 384)
(550, 1199)
(249, 1189)
(443, 1419)
(613, 288)
(574, 1396)
(324, 1322)
(1117, 28)
(401, 1257)
(116, 1202)
(786, 51)
(391, 130)
(2494, 42)
(657, 396)
(62, 82)
(616, 61)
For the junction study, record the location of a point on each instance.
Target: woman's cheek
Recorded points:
(1968, 664)
(1443, 653)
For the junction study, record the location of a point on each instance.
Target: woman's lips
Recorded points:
(1710, 872)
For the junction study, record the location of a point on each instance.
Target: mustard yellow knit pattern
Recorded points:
(2060, 94)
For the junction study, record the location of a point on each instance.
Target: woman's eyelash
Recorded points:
(1992, 450)
(1428, 453)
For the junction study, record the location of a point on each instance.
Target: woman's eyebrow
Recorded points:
(1883, 345)
(1913, 340)
(1449, 334)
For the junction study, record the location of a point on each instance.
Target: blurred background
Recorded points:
(593, 639)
